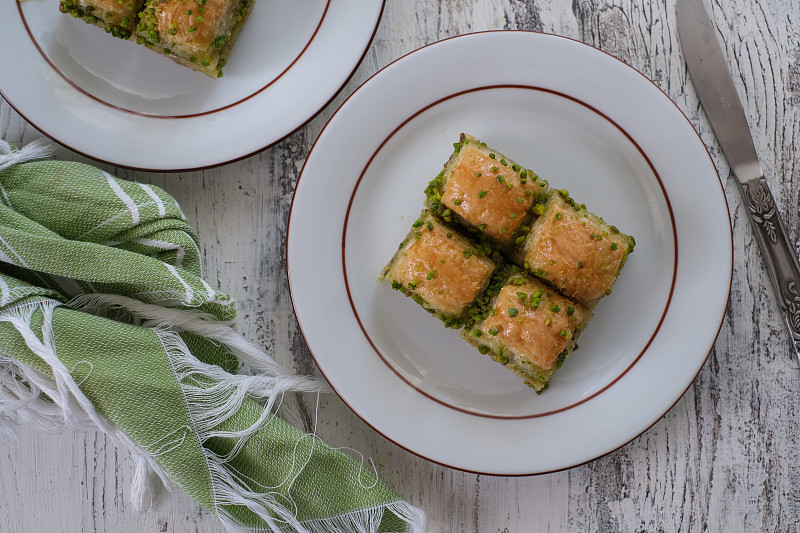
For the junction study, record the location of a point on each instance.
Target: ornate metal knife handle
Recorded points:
(782, 263)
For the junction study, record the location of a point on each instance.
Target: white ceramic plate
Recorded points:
(586, 122)
(123, 104)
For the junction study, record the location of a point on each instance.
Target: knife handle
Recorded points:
(782, 264)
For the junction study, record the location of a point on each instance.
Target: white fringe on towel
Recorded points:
(21, 386)
(132, 311)
(38, 149)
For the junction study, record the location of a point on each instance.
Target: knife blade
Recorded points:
(715, 88)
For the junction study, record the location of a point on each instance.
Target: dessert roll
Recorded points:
(117, 17)
(440, 269)
(575, 251)
(486, 191)
(195, 33)
(529, 328)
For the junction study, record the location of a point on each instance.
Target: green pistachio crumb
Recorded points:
(512, 311)
(481, 194)
(613, 246)
(570, 310)
(219, 42)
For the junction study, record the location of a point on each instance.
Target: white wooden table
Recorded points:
(723, 459)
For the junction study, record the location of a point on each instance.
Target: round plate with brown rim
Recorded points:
(122, 104)
(584, 121)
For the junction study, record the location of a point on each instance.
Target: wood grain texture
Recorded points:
(723, 459)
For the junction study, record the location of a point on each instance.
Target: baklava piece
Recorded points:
(196, 33)
(484, 190)
(529, 328)
(117, 17)
(575, 251)
(440, 269)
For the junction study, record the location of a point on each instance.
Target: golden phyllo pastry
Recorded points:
(530, 329)
(195, 33)
(518, 266)
(486, 191)
(117, 17)
(575, 251)
(441, 270)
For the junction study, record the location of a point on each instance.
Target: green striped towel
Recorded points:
(106, 323)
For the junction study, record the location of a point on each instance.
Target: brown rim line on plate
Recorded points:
(155, 115)
(575, 463)
(574, 100)
(99, 159)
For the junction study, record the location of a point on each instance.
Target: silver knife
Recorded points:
(716, 91)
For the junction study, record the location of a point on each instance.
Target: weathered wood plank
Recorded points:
(721, 460)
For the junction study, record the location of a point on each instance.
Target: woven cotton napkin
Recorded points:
(106, 323)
